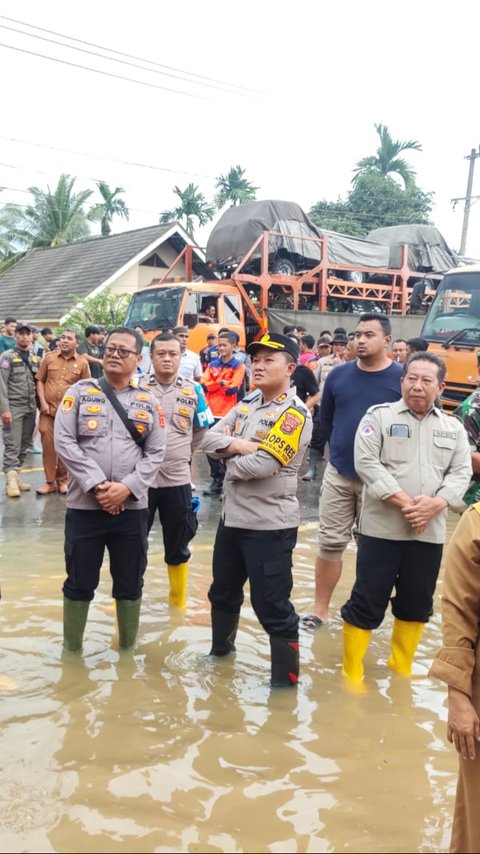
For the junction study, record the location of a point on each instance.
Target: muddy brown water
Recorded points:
(168, 750)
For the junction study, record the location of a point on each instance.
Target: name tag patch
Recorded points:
(445, 434)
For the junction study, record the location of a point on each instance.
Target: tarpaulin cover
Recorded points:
(240, 226)
(427, 249)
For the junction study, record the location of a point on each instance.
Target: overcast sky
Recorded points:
(290, 91)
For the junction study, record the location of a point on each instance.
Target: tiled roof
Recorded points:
(41, 284)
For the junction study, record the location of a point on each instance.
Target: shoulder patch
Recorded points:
(67, 403)
(283, 439)
(5, 363)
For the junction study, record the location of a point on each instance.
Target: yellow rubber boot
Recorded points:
(405, 639)
(12, 488)
(355, 645)
(178, 576)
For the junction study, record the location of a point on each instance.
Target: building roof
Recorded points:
(40, 285)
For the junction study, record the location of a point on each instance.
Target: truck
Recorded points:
(452, 328)
(267, 255)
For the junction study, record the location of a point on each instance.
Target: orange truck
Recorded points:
(166, 305)
(452, 328)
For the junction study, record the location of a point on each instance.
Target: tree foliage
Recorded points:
(111, 206)
(52, 219)
(234, 188)
(386, 161)
(374, 202)
(193, 205)
(105, 309)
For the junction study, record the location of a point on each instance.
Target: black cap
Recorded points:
(340, 338)
(324, 342)
(21, 326)
(277, 342)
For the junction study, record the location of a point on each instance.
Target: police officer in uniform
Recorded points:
(414, 462)
(262, 440)
(17, 406)
(187, 416)
(109, 472)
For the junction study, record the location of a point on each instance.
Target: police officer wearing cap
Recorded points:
(17, 406)
(262, 440)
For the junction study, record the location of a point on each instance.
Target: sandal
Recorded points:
(311, 622)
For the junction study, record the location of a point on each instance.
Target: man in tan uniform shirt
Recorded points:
(458, 664)
(57, 372)
(414, 462)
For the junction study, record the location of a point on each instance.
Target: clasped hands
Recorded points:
(111, 496)
(421, 509)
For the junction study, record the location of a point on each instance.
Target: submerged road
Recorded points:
(168, 750)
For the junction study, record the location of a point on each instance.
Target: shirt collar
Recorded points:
(401, 406)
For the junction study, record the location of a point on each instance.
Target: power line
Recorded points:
(105, 73)
(120, 61)
(131, 56)
(108, 159)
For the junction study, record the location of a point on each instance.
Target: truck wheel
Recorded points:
(283, 267)
(355, 276)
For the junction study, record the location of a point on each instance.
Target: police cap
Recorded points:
(275, 341)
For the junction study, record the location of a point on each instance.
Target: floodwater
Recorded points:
(168, 750)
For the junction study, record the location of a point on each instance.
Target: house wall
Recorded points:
(140, 276)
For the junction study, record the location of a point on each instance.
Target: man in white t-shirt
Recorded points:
(190, 365)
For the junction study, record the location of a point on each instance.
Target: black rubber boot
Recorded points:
(314, 458)
(215, 488)
(224, 632)
(285, 662)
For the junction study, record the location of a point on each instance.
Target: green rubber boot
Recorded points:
(75, 615)
(128, 619)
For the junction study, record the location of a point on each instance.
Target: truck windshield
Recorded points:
(455, 311)
(155, 309)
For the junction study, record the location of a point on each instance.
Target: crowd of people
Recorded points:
(120, 418)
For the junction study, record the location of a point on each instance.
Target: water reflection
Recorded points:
(167, 749)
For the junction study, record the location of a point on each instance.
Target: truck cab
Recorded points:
(452, 328)
(203, 307)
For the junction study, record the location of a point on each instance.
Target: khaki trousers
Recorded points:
(54, 469)
(16, 439)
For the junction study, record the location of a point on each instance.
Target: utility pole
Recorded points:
(468, 198)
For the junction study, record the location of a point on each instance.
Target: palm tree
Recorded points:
(234, 188)
(386, 160)
(110, 207)
(54, 218)
(193, 204)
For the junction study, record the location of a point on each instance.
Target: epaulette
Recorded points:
(453, 415)
(297, 403)
(379, 406)
(476, 507)
(88, 381)
(251, 396)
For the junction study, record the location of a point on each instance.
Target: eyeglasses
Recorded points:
(122, 351)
